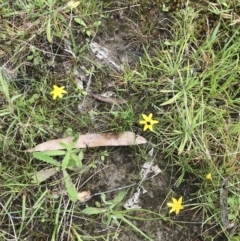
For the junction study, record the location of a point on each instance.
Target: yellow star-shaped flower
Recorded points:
(209, 176)
(148, 122)
(57, 91)
(176, 205)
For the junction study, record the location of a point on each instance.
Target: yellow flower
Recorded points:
(209, 176)
(72, 4)
(148, 122)
(176, 205)
(57, 91)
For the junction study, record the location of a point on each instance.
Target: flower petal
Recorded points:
(150, 127)
(142, 122)
(170, 204)
(172, 210)
(145, 127)
(145, 117)
(154, 122)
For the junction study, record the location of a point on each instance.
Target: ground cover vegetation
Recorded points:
(173, 78)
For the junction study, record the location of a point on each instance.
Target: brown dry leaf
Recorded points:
(84, 196)
(126, 138)
(2, 53)
(108, 99)
(43, 175)
(156, 169)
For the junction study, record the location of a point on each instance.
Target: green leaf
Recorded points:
(103, 197)
(15, 97)
(167, 43)
(97, 23)
(65, 160)
(235, 238)
(45, 158)
(110, 202)
(80, 155)
(75, 158)
(65, 146)
(49, 35)
(214, 34)
(80, 158)
(172, 100)
(71, 164)
(88, 32)
(55, 153)
(75, 161)
(4, 86)
(71, 190)
(92, 211)
(71, 145)
(30, 57)
(120, 196)
(74, 142)
(80, 21)
(3, 113)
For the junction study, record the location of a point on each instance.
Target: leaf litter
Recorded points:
(146, 169)
(104, 54)
(126, 138)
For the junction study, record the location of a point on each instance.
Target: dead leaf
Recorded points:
(134, 200)
(126, 138)
(146, 169)
(43, 175)
(156, 169)
(104, 54)
(2, 53)
(107, 99)
(55, 194)
(84, 196)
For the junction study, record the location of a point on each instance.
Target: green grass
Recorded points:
(189, 81)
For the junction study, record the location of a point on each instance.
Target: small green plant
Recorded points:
(222, 7)
(109, 208)
(234, 205)
(111, 211)
(72, 160)
(10, 100)
(35, 56)
(90, 30)
(121, 119)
